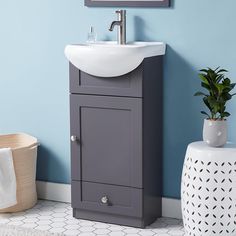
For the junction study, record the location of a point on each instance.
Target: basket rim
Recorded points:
(33, 144)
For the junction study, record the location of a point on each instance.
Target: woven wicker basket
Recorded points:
(24, 151)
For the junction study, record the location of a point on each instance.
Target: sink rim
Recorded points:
(109, 59)
(114, 44)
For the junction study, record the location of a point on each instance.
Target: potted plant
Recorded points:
(218, 88)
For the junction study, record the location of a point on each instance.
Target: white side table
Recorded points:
(208, 190)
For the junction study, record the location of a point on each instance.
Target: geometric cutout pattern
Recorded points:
(208, 196)
(57, 217)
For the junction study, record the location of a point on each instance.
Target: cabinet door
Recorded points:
(109, 145)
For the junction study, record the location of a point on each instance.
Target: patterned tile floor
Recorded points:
(57, 218)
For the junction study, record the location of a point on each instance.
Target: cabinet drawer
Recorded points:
(129, 85)
(121, 200)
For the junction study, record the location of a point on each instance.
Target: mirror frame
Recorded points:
(114, 3)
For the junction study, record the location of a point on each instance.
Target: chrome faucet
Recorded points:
(121, 24)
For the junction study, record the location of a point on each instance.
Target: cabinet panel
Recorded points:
(120, 200)
(110, 140)
(127, 85)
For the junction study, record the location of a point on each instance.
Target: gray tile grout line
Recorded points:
(57, 217)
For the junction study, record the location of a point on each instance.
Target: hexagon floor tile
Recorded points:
(57, 217)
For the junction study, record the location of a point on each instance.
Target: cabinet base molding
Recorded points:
(109, 218)
(62, 193)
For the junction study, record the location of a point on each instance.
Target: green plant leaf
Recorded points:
(226, 96)
(205, 100)
(220, 88)
(219, 78)
(204, 70)
(212, 100)
(206, 86)
(225, 114)
(221, 70)
(208, 105)
(226, 81)
(204, 113)
(200, 94)
(203, 78)
(212, 75)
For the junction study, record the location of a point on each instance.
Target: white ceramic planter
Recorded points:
(215, 132)
(208, 190)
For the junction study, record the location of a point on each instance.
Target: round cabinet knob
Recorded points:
(73, 138)
(104, 200)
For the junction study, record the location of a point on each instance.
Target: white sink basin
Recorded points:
(108, 59)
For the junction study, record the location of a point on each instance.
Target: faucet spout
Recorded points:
(121, 24)
(113, 24)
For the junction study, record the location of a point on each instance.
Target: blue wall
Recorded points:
(34, 72)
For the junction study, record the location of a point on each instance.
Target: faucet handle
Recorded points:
(120, 11)
(121, 14)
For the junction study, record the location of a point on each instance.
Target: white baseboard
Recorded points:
(54, 191)
(62, 193)
(171, 208)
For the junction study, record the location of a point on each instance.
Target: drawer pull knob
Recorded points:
(104, 200)
(73, 138)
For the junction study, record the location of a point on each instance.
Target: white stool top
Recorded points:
(202, 150)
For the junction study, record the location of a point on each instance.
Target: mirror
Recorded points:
(129, 3)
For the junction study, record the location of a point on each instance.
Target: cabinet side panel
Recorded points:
(74, 78)
(152, 137)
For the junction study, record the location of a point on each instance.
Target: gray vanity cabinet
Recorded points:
(116, 147)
